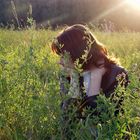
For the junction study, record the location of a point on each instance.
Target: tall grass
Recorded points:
(29, 90)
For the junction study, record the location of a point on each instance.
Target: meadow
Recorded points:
(29, 89)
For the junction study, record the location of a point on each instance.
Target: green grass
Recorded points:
(29, 89)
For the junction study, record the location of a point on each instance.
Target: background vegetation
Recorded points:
(60, 12)
(29, 89)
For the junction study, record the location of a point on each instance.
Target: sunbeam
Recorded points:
(108, 11)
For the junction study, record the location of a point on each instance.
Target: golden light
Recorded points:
(134, 4)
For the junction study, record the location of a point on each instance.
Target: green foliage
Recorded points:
(29, 91)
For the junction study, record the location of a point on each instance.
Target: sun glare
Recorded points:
(134, 3)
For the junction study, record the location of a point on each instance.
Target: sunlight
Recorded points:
(108, 11)
(134, 4)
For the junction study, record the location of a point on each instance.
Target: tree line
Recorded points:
(60, 12)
